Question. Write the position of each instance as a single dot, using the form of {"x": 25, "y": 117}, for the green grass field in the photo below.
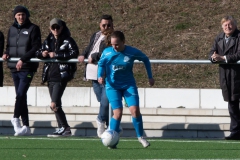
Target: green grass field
{"x": 36, "y": 147}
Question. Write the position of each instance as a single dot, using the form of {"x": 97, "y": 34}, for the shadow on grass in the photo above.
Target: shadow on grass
{"x": 192, "y": 130}
{"x": 88, "y": 129}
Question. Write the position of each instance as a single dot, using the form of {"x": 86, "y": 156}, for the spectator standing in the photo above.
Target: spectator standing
{"x": 58, "y": 45}
{"x": 24, "y": 39}
{"x": 226, "y": 48}
{"x": 93, "y": 52}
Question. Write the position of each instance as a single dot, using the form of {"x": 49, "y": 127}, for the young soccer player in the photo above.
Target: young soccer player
{"x": 117, "y": 64}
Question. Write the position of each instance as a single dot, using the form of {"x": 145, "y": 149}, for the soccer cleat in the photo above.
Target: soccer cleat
{"x": 144, "y": 142}
{"x": 25, "y": 131}
{"x": 16, "y": 124}
{"x": 101, "y": 127}
{"x": 62, "y": 132}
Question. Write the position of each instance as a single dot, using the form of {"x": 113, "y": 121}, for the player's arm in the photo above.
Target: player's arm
{"x": 142, "y": 57}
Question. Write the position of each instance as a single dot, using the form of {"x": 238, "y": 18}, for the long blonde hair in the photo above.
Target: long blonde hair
{"x": 107, "y": 34}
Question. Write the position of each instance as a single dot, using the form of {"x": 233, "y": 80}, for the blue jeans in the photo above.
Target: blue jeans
{"x": 22, "y": 81}
{"x": 100, "y": 93}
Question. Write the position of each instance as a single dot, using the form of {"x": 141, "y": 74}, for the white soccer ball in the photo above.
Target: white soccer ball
{"x": 110, "y": 138}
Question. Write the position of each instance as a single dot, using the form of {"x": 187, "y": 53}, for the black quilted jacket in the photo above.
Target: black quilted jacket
{"x": 65, "y": 49}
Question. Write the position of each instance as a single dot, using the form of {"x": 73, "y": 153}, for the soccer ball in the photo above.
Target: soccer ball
{"x": 110, "y": 138}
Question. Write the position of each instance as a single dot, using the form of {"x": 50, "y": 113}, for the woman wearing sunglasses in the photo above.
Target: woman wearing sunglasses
{"x": 58, "y": 45}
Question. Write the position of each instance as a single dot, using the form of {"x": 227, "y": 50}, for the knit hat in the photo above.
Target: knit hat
{"x": 56, "y": 21}
{"x": 23, "y": 9}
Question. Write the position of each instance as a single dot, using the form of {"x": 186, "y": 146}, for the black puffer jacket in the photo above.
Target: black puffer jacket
{"x": 23, "y": 42}
{"x": 65, "y": 49}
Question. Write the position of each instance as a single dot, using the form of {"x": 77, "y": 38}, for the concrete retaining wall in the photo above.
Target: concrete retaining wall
{"x": 149, "y": 97}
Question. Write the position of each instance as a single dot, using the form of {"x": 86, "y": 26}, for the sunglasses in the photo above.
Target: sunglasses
{"x": 57, "y": 27}
{"x": 106, "y": 25}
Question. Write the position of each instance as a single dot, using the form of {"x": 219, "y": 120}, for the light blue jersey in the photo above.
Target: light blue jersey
{"x": 118, "y": 66}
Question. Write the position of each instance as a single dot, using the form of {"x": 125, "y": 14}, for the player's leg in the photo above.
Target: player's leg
{"x": 115, "y": 99}
{"x": 132, "y": 99}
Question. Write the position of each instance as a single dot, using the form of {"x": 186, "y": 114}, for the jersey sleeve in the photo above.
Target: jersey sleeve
{"x": 142, "y": 57}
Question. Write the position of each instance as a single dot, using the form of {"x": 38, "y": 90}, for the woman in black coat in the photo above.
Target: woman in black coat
{"x": 59, "y": 45}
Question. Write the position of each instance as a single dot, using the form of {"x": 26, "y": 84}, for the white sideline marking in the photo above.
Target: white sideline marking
{"x": 97, "y": 139}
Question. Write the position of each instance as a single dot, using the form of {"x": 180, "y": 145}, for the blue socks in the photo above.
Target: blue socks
{"x": 138, "y": 125}
{"x": 114, "y": 124}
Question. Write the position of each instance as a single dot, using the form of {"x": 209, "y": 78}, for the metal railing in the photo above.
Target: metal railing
{"x": 153, "y": 61}
{"x": 156, "y": 61}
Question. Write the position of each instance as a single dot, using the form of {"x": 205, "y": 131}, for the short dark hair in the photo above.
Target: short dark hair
{"x": 118, "y": 34}
{"x": 106, "y": 17}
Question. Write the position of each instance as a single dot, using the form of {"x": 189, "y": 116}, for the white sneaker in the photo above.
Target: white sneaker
{"x": 25, "y": 131}
{"x": 16, "y": 124}
{"x": 57, "y": 130}
{"x": 144, "y": 142}
{"x": 101, "y": 128}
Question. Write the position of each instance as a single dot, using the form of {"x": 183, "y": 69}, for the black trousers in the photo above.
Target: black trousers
{"x": 56, "y": 90}
{"x": 22, "y": 81}
{"x": 234, "y": 111}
